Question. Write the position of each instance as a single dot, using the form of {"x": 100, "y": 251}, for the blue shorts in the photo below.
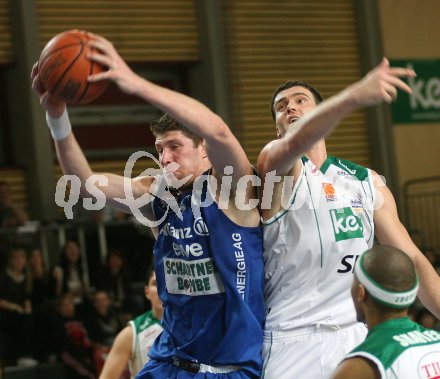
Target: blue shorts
{"x": 166, "y": 370}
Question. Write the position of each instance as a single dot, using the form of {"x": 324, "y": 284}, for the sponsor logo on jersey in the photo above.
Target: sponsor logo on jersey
{"x": 241, "y": 264}
{"x": 187, "y": 250}
{"x": 329, "y": 191}
{"x": 352, "y": 172}
{"x": 356, "y": 205}
{"x": 163, "y": 205}
{"x": 314, "y": 170}
{"x": 192, "y": 278}
{"x": 347, "y": 263}
{"x": 200, "y": 227}
{"x": 177, "y": 233}
{"x": 346, "y": 225}
{"x": 429, "y": 366}
{"x": 345, "y": 174}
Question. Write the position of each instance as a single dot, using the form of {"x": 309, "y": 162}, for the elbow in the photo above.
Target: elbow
{"x": 222, "y": 132}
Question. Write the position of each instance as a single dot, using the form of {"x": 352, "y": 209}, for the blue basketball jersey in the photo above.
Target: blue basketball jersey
{"x": 209, "y": 274}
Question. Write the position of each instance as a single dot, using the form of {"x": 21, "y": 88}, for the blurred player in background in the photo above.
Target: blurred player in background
{"x": 133, "y": 343}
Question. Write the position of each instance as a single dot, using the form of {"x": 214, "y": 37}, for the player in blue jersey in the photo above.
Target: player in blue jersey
{"x": 208, "y": 253}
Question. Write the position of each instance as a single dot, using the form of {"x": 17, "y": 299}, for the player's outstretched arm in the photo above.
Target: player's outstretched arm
{"x": 379, "y": 85}
{"x": 390, "y": 231}
{"x": 119, "y": 355}
{"x": 222, "y": 147}
{"x": 70, "y": 155}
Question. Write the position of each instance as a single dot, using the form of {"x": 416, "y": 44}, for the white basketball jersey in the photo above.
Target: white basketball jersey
{"x": 145, "y": 330}
{"x": 310, "y": 248}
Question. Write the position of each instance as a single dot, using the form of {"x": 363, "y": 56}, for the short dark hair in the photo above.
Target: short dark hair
{"x": 166, "y": 124}
{"x": 391, "y": 268}
{"x": 295, "y": 83}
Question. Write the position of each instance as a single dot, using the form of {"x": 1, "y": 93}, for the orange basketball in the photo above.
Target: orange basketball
{"x": 64, "y": 68}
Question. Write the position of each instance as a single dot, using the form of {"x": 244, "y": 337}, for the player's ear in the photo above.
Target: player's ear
{"x": 361, "y": 293}
{"x": 203, "y": 147}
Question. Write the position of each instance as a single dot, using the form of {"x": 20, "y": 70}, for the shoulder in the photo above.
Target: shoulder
{"x": 264, "y": 154}
{"x": 124, "y": 341}
{"x": 353, "y": 169}
{"x": 125, "y": 335}
{"x": 357, "y": 367}
{"x": 381, "y": 345}
{"x": 141, "y": 319}
{"x": 269, "y": 145}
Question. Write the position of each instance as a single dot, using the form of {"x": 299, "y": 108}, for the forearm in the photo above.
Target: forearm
{"x": 394, "y": 234}
{"x": 429, "y": 280}
{"x": 186, "y": 110}
{"x": 429, "y": 285}
{"x": 69, "y": 153}
{"x": 72, "y": 159}
{"x": 319, "y": 123}
{"x": 221, "y": 145}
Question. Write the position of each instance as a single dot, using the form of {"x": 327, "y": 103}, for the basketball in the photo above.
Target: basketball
{"x": 64, "y": 68}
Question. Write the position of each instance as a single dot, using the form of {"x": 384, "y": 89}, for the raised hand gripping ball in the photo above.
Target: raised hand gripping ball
{"x": 64, "y": 68}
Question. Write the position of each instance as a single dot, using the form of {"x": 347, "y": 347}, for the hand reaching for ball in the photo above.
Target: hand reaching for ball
{"x": 64, "y": 68}
{"x": 75, "y": 68}
{"x": 53, "y": 105}
{"x": 105, "y": 54}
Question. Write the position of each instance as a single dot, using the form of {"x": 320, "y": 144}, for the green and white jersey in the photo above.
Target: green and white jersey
{"x": 145, "y": 329}
{"x": 402, "y": 349}
{"x": 310, "y": 247}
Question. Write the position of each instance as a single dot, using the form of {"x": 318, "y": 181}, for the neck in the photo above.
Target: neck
{"x": 375, "y": 317}
{"x": 318, "y": 153}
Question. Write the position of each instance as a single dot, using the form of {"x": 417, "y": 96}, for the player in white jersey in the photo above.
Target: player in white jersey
{"x": 323, "y": 212}
{"x": 132, "y": 344}
{"x": 385, "y": 285}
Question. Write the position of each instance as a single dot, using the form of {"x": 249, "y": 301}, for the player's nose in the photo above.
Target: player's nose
{"x": 165, "y": 158}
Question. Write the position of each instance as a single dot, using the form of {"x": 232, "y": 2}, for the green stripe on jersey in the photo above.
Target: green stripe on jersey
{"x": 388, "y": 340}
{"x": 353, "y": 169}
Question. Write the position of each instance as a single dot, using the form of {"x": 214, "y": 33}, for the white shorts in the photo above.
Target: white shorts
{"x": 310, "y": 352}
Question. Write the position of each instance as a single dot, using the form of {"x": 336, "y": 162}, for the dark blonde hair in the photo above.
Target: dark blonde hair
{"x": 167, "y": 124}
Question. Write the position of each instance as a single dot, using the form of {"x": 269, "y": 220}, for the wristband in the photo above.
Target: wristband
{"x": 60, "y": 128}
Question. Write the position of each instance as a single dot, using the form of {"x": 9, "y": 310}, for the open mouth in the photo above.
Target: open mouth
{"x": 292, "y": 119}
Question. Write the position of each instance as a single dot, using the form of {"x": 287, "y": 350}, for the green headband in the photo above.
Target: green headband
{"x": 382, "y": 295}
